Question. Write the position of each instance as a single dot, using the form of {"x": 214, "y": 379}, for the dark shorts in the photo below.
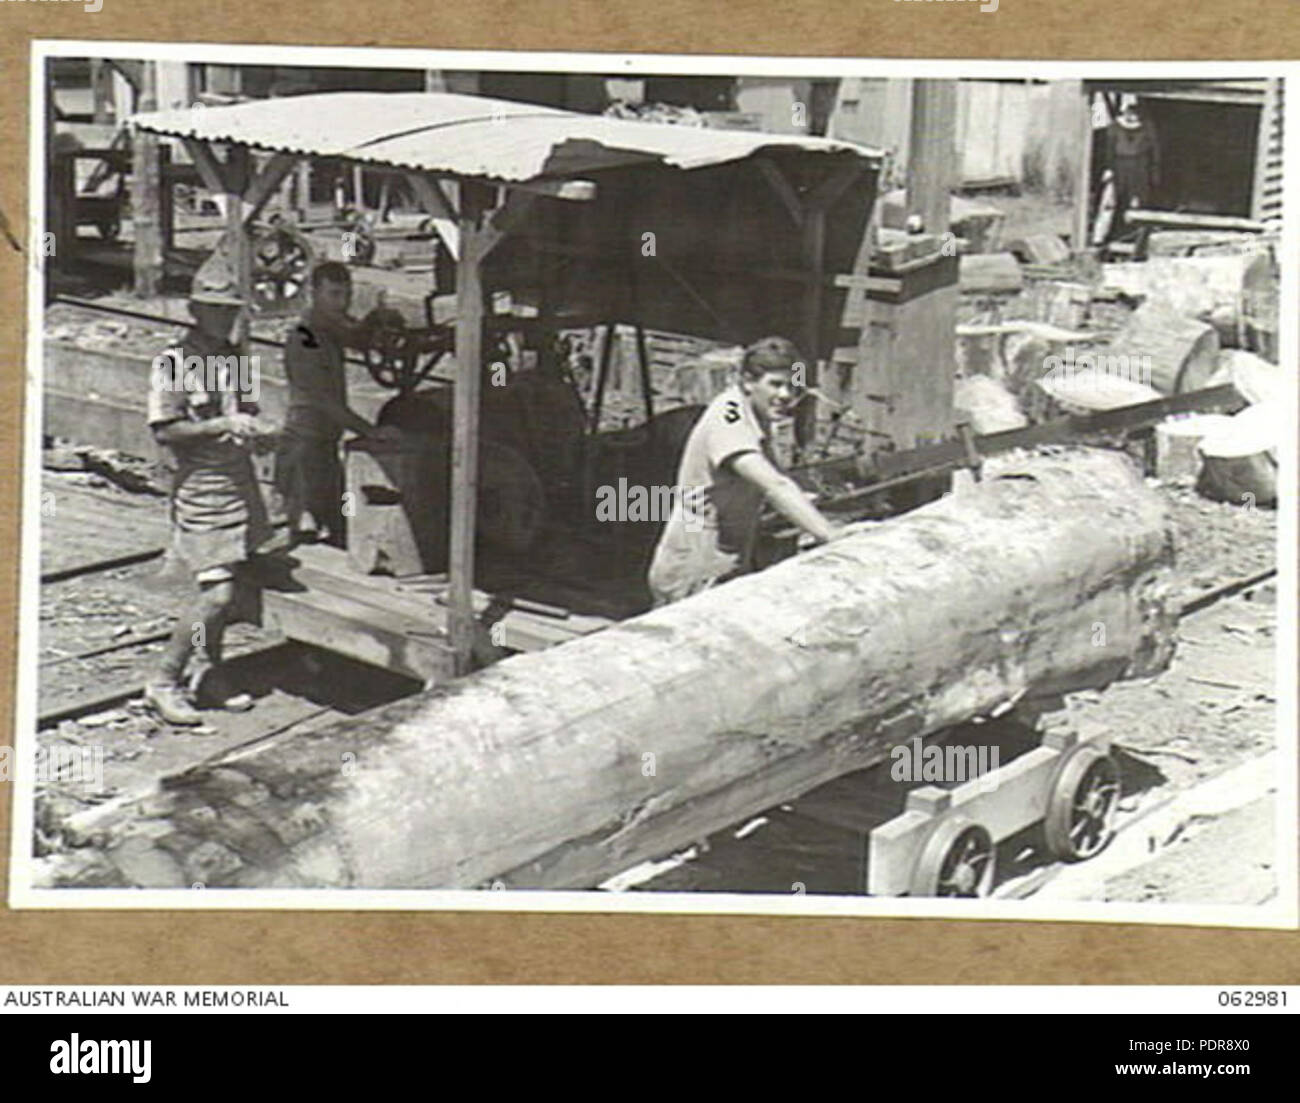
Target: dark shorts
{"x": 309, "y": 475}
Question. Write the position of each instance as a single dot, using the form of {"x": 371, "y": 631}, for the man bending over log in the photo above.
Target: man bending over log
{"x": 727, "y": 471}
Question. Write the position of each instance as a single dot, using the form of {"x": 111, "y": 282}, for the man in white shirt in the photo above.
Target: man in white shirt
{"x": 726, "y": 473}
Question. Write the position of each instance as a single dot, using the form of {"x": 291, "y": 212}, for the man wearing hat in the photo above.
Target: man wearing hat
{"x": 200, "y": 409}
{"x": 727, "y": 471}
{"x": 1134, "y": 163}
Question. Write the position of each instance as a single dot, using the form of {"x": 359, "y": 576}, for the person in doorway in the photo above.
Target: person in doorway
{"x": 1134, "y": 160}
{"x": 727, "y": 472}
{"x": 199, "y": 409}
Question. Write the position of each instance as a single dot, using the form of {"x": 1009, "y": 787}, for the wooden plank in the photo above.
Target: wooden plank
{"x": 1142, "y": 217}
{"x": 400, "y": 644}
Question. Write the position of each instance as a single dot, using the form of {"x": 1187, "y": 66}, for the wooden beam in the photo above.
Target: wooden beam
{"x": 211, "y": 171}
{"x": 429, "y": 193}
{"x": 266, "y": 182}
{"x": 475, "y": 201}
{"x": 781, "y": 186}
{"x": 1187, "y": 221}
{"x": 829, "y": 190}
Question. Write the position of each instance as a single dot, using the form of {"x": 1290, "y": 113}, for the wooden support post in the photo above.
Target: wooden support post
{"x": 101, "y": 91}
{"x": 814, "y": 253}
{"x": 812, "y": 223}
{"x": 474, "y": 245}
{"x": 302, "y": 190}
{"x": 166, "y": 200}
{"x": 602, "y": 375}
{"x": 1083, "y": 198}
{"x": 932, "y": 152}
{"x": 643, "y": 361}
{"x": 240, "y": 255}
{"x": 147, "y": 259}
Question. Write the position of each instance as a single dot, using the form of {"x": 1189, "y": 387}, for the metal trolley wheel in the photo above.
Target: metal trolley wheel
{"x": 1081, "y": 806}
{"x": 957, "y": 859}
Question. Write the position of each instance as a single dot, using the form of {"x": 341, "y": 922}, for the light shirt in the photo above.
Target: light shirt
{"x": 714, "y": 521}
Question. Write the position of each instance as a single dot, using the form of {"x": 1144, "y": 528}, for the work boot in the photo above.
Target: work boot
{"x": 211, "y": 689}
{"x": 169, "y": 702}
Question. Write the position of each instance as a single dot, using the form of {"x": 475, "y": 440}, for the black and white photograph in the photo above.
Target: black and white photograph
{"x": 580, "y": 482}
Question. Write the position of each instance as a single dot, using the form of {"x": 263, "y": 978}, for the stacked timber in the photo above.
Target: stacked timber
{"x": 1218, "y": 287}
{"x": 559, "y": 768}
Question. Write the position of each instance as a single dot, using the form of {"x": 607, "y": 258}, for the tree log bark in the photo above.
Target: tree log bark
{"x": 562, "y": 767}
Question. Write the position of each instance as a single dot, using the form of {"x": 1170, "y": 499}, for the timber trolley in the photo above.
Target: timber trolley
{"x": 945, "y": 841}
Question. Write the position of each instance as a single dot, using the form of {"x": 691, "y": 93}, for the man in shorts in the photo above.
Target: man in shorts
{"x": 727, "y": 471}
{"x": 199, "y": 409}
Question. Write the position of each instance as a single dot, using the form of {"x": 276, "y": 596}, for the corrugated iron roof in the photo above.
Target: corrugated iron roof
{"x": 471, "y": 136}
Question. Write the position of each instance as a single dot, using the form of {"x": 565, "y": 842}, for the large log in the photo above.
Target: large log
{"x": 1181, "y": 353}
{"x": 562, "y": 767}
